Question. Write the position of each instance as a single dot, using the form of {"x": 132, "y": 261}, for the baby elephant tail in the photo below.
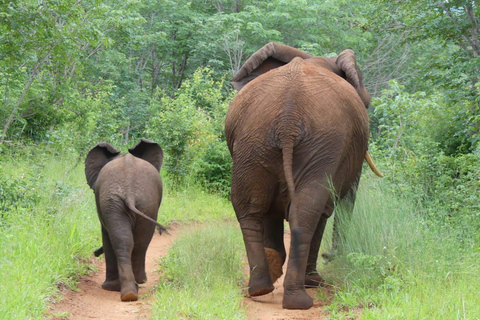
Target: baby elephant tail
{"x": 131, "y": 206}
{"x": 161, "y": 228}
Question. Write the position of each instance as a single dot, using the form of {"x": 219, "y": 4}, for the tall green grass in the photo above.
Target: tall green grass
{"x": 191, "y": 203}
{"x": 48, "y": 227}
{"x": 202, "y": 275}
{"x": 396, "y": 264}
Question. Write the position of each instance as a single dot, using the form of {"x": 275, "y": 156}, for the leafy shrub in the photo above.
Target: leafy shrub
{"x": 17, "y": 193}
{"x": 423, "y": 152}
{"x": 215, "y": 168}
{"x": 189, "y": 127}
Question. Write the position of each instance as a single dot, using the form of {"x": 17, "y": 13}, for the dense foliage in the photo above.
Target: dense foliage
{"x": 74, "y": 73}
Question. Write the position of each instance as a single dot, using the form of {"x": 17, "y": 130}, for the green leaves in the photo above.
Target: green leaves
{"x": 189, "y": 127}
{"x": 426, "y": 147}
{"x": 43, "y": 52}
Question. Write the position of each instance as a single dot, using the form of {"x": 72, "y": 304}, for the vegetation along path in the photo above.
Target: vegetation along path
{"x": 90, "y": 301}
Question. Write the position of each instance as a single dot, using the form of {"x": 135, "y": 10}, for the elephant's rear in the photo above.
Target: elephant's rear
{"x": 336, "y": 128}
{"x": 299, "y": 127}
{"x": 300, "y": 109}
{"x": 126, "y": 181}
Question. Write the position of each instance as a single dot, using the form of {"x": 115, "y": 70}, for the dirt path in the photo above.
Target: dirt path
{"x": 269, "y": 307}
{"x": 90, "y": 301}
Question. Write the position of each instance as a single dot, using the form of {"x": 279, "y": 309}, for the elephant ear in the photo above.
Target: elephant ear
{"x": 96, "y": 159}
{"x": 347, "y": 62}
{"x": 149, "y": 151}
{"x": 270, "y": 56}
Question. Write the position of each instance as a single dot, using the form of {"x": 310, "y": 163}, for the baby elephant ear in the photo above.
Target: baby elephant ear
{"x": 149, "y": 151}
{"x": 96, "y": 159}
{"x": 347, "y": 62}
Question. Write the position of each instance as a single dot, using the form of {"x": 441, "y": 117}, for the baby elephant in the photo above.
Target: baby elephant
{"x": 128, "y": 192}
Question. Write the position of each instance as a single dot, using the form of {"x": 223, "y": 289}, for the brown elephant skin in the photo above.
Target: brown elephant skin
{"x": 297, "y": 131}
{"x": 128, "y": 192}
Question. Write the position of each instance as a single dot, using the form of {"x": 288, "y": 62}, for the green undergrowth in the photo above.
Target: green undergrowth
{"x": 202, "y": 275}
{"x": 395, "y": 263}
{"x": 48, "y": 228}
{"x": 191, "y": 203}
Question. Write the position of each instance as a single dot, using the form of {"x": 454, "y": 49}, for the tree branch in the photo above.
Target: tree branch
{"x": 24, "y": 92}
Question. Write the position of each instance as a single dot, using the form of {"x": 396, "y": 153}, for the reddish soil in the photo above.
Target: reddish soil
{"x": 90, "y": 301}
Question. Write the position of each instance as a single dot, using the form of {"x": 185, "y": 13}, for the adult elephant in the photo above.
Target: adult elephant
{"x": 128, "y": 192}
{"x": 297, "y": 129}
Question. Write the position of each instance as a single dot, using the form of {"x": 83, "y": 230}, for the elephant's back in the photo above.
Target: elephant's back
{"x": 129, "y": 176}
{"x": 300, "y": 98}
{"x": 303, "y": 103}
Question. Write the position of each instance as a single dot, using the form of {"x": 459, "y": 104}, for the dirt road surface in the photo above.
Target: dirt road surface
{"x": 90, "y": 301}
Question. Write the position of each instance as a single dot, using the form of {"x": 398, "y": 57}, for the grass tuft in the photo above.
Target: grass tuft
{"x": 396, "y": 264}
{"x": 44, "y": 233}
{"x": 202, "y": 275}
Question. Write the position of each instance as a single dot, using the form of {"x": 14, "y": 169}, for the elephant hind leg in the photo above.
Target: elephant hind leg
{"x": 260, "y": 282}
{"x": 273, "y": 233}
{"x": 305, "y": 214}
{"x": 112, "y": 281}
{"x": 312, "y": 278}
{"x": 347, "y": 204}
{"x": 121, "y": 238}
{"x": 138, "y": 264}
{"x": 252, "y": 195}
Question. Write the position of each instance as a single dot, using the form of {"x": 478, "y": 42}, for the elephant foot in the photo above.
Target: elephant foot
{"x": 313, "y": 280}
{"x": 275, "y": 263}
{"x": 130, "y": 292}
{"x": 260, "y": 292}
{"x": 130, "y": 296}
{"x": 260, "y": 288}
{"x": 112, "y": 285}
{"x": 298, "y": 299}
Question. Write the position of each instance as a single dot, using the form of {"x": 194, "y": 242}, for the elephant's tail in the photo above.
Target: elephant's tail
{"x": 287, "y": 152}
{"x": 131, "y": 206}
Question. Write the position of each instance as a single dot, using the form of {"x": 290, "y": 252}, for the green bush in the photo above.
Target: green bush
{"x": 189, "y": 127}
{"x": 18, "y": 194}
{"x": 413, "y": 140}
{"x": 215, "y": 167}
{"x": 93, "y": 121}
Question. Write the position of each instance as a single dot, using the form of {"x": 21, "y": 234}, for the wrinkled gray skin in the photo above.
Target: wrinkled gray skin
{"x": 128, "y": 192}
{"x": 297, "y": 131}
